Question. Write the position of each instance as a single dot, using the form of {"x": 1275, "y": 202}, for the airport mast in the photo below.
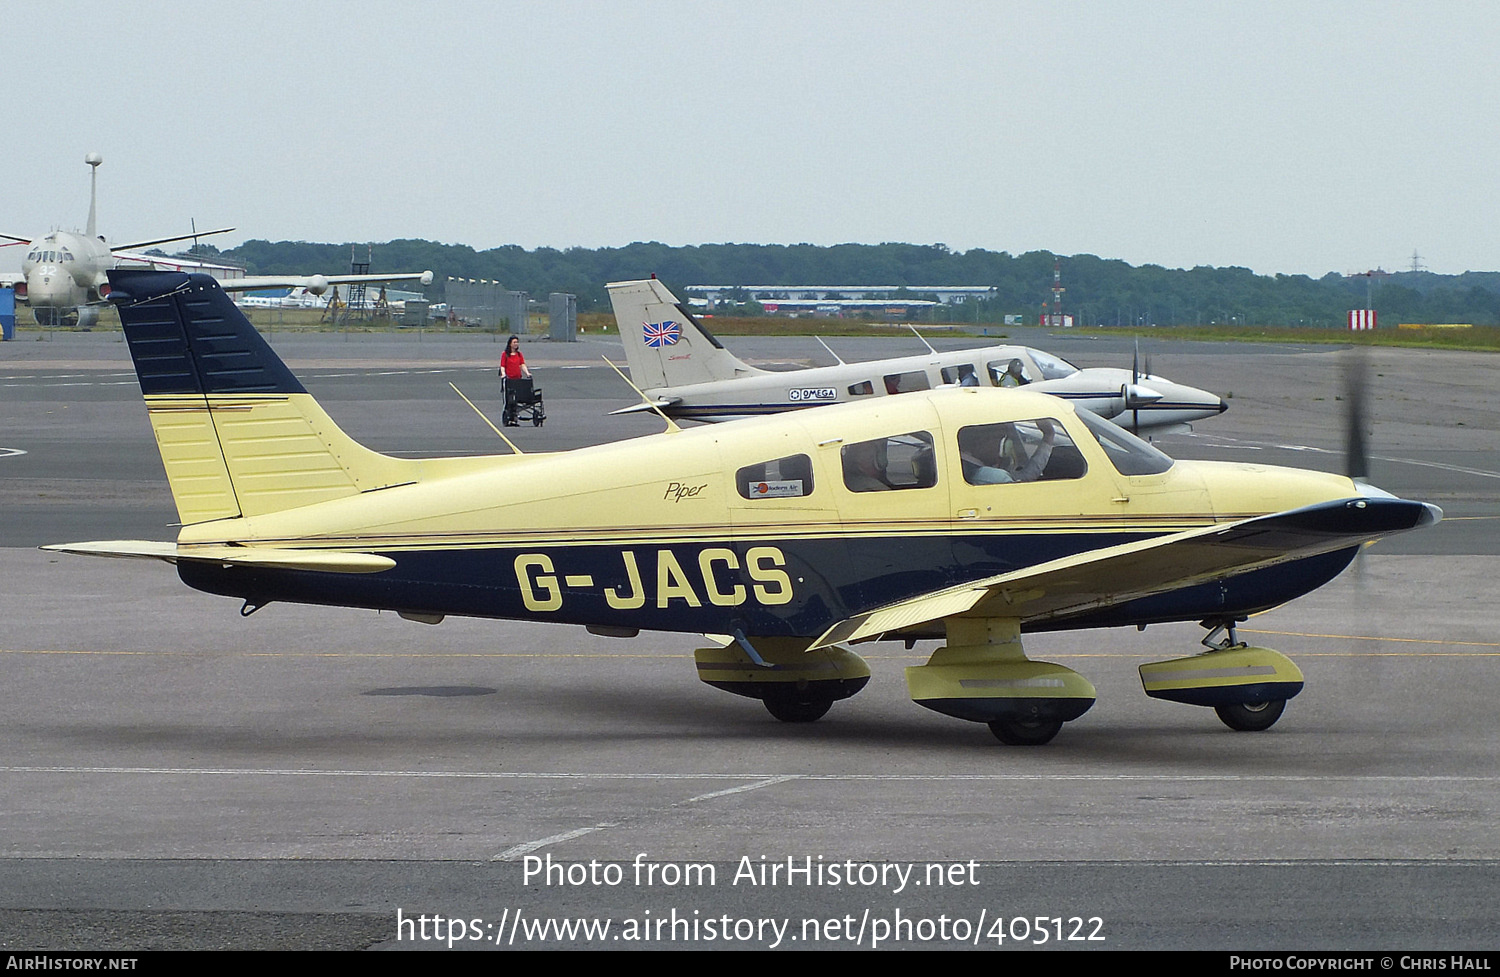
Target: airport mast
{"x": 1358, "y": 321}
{"x": 358, "y": 310}
{"x": 1057, "y": 291}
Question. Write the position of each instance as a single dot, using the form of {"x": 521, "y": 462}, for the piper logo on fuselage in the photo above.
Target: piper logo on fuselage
{"x": 715, "y": 576}
{"x": 812, "y": 393}
{"x": 677, "y": 491}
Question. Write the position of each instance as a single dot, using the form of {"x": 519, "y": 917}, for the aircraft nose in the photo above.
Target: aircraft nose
{"x": 1200, "y": 403}
{"x": 49, "y": 285}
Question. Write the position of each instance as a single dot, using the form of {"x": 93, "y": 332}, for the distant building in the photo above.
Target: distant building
{"x": 835, "y": 300}
{"x": 872, "y": 295}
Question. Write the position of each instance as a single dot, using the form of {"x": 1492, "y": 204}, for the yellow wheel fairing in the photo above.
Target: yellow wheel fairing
{"x": 986, "y": 692}
{"x": 982, "y": 675}
{"x": 1232, "y": 676}
{"x": 828, "y": 673}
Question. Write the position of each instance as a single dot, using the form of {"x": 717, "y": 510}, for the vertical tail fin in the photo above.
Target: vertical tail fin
{"x": 93, "y": 159}
{"x": 665, "y": 345}
{"x": 238, "y": 433}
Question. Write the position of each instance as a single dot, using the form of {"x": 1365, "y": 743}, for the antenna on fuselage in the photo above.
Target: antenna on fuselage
{"x": 671, "y": 424}
{"x": 486, "y": 420}
{"x": 922, "y": 338}
{"x": 93, "y": 159}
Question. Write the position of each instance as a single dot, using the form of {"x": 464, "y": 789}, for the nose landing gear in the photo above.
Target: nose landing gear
{"x": 1247, "y": 687}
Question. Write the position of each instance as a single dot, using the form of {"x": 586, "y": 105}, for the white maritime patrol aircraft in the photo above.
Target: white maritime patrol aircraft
{"x": 968, "y": 514}
{"x": 63, "y": 273}
{"x": 685, "y": 372}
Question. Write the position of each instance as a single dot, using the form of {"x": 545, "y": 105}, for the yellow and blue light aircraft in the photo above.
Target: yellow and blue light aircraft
{"x": 968, "y": 514}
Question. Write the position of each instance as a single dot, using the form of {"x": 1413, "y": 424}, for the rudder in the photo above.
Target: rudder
{"x": 665, "y": 344}
{"x": 238, "y": 433}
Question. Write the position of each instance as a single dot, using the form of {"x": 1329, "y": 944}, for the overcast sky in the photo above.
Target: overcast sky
{"x": 1286, "y": 137}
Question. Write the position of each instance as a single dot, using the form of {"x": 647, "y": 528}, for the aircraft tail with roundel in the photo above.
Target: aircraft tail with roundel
{"x": 665, "y": 344}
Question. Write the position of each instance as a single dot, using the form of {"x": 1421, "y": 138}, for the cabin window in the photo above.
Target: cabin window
{"x": 962, "y": 374}
{"x": 902, "y": 383}
{"x": 901, "y": 461}
{"x": 862, "y": 389}
{"x": 1037, "y": 450}
{"x": 1052, "y": 367}
{"x": 1011, "y": 372}
{"x": 784, "y": 478}
{"x": 1128, "y": 453}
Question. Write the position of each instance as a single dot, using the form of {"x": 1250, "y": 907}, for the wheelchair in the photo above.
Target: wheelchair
{"x": 523, "y": 401}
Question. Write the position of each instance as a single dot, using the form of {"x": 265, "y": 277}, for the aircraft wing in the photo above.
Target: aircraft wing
{"x": 157, "y": 262}
{"x": 317, "y": 284}
{"x": 1130, "y": 571}
{"x": 327, "y": 561}
{"x": 9, "y": 279}
{"x": 167, "y": 240}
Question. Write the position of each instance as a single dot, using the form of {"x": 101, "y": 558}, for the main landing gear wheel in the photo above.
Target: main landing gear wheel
{"x": 1025, "y": 732}
{"x": 795, "y": 709}
{"x": 1252, "y": 716}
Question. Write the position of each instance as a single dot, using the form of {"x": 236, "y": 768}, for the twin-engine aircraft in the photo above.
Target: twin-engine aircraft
{"x": 968, "y": 514}
{"x": 685, "y": 372}
{"x": 63, "y": 273}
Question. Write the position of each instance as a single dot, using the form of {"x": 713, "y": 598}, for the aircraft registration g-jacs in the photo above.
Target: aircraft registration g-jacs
{"x": 685, "y": 371}
{"x": 63, "y": 273}
{"x": 962, "y": 513}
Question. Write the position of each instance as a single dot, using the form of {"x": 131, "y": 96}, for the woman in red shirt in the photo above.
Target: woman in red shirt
{"x": 512, "y": 363}
{"x": 512, "y": 367}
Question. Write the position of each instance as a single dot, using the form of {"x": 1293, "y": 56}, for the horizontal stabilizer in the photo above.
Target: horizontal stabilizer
{"x": 326, "y": 561}
{"x": 654, "y": 405}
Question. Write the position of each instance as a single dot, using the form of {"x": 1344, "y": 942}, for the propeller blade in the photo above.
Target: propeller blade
{"x": 1356, "y": 408}
{"x": 1135, "y": 378}
{"x": 1356, "y": 446}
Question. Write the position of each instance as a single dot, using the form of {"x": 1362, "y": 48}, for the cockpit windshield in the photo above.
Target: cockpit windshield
{"x": 1052, "y": 367}
{"x": 1128, "y": 453}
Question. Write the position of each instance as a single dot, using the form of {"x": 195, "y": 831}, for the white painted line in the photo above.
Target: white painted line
{"x": 11, "y": 452}
{"x": 1224, "y": 442}
{"x": 744, "y": 787}
{"x": 526, "y": 848}
{"x": 766, "y": 778}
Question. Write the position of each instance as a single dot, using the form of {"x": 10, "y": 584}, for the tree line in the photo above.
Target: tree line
{"x": 1099, "y": 291}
